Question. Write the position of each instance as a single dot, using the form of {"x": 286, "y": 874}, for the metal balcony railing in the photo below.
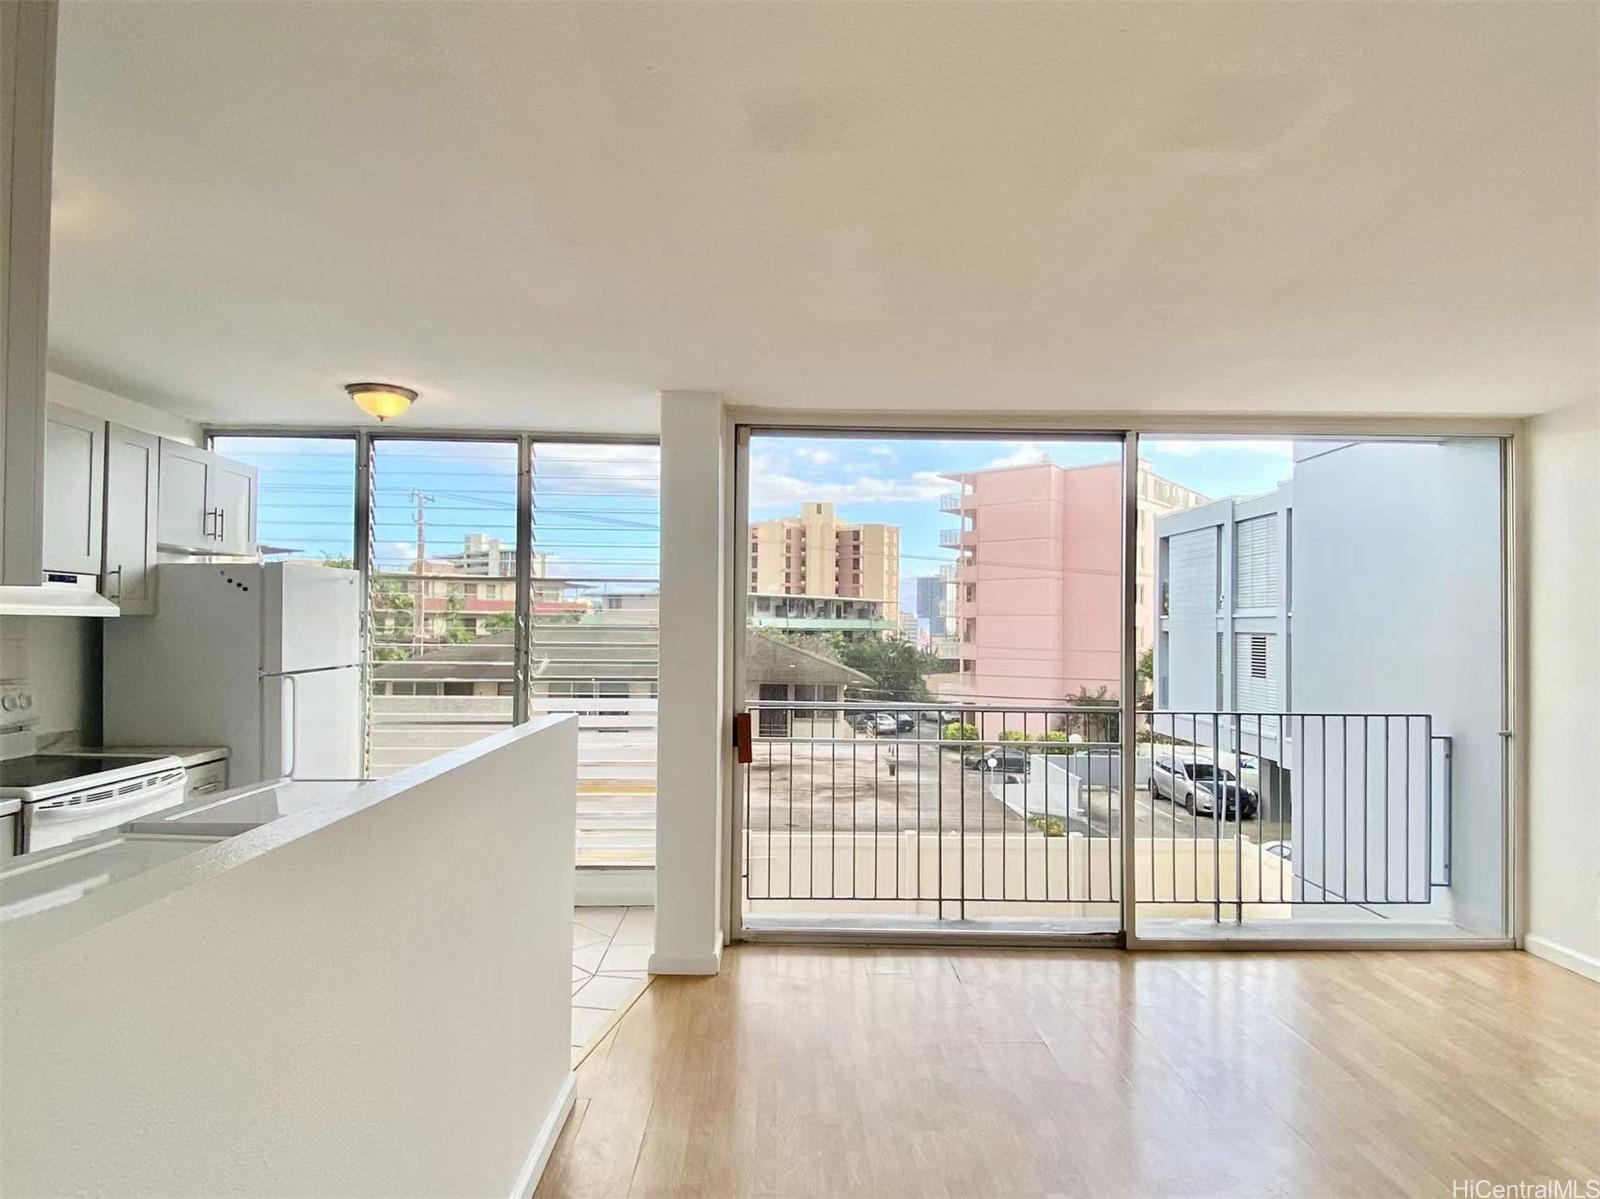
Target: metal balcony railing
{"x": 951, "y": 803}
{"x": 950, "y": 537}
{"x": 950, "y": 502}
{"x": 976, "y": 803}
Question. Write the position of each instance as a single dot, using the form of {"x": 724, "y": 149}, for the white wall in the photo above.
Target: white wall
{"x": 70, "y": 393}
{"x": 61, "y": 655}
{"x": 1561, "y": 464}
{"x": 366, "y": 998}
{"x": 692, "y": 730}
{"x": 1396, "y": 609}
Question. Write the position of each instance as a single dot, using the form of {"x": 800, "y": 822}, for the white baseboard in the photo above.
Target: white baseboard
{"x": 1570, "y": 959}
{"x": 688, "y": 963}
{"x": 614, "y": 887}
{"x": 539, "y": 1155}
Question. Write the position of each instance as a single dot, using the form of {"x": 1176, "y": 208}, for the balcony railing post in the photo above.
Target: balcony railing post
{"x": 1238, "y": 818}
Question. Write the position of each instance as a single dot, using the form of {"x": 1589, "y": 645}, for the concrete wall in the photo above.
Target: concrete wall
{"x": 1396, "y": 566}
{"x": 369, "y": 1000}
{"x": 695, "y": 734}
{"x": 1562, "y": 797}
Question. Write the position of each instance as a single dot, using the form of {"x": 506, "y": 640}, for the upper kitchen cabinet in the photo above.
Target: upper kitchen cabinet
{"x": 133, "y": 464}
{"x": 74, "y": 459}
{"x": 233, "y": 495}
{"x": 208, "y": 503}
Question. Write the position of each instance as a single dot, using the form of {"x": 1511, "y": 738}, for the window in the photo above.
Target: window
{"x": 595, "y": 625}
{"x": 443, "y": 520}
{"x": 306, "y": 506}
{"x": 1255, "y": 551}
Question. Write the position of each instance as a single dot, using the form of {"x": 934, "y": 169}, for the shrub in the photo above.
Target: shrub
{"x": 1050, "y": 826}
{"x": 957, "y": 731}
{"x": 1013, "y": 735}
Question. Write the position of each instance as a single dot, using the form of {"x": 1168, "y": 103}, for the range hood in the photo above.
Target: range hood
{"x": 58, "y": 595}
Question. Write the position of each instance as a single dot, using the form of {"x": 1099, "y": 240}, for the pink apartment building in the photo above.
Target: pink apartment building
{"x": 1037, "y": 579}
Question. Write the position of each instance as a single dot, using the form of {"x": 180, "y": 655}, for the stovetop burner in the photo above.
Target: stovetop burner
{"x": 40, "y": 770}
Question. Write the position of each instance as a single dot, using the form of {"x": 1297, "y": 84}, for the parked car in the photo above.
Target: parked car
{"x": 1196, "y": 785}
{"x": 1010, "y": 761}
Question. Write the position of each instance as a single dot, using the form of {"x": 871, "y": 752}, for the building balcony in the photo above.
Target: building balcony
{"x": 950, "y": 538}
{"x": 951, "y": 501}
{"x": 821, "y": 624}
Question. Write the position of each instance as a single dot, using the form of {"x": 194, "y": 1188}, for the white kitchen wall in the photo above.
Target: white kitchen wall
{"x": 1562, "y": 467}
{"x": 367, "y": 997}
{"x": 69, "y": 393}
{"x": 61, "y": 656}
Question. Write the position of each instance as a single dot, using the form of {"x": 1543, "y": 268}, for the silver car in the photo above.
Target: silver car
{"x": 1197, "y": 785}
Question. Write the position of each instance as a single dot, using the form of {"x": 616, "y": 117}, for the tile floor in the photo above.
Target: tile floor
{"x": 610, "y": 949}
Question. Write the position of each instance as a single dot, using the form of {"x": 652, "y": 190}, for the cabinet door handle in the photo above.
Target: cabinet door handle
{"x": 205, "y": 522}
{"x": 117, "y": 598}
{"x": 222, "y": 524}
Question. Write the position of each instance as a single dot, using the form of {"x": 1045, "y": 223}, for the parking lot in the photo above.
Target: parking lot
{"x": 893, "y": 782}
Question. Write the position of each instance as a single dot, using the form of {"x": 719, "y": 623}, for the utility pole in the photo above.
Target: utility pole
{"x": 420, "y": 604}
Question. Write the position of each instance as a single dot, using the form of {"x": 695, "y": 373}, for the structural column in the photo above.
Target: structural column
{"x": 694, "y": 732}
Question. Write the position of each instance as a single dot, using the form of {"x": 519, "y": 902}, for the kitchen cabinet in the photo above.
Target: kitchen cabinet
{"x": 74, "y": 462}
{"x": 185, "y": 518}
{"x": 207, "y": 778}
{"x": 131, "y": 493}
{"x": 207, "y": 502}
{"x": 233, "y": 495}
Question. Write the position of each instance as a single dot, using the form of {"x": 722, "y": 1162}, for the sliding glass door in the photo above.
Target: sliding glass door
{"x": 1319, "y": 748}
{"x": 931, "y": 660}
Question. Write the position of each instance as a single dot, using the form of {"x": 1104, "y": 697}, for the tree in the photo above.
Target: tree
{"x": 897, "y": 668}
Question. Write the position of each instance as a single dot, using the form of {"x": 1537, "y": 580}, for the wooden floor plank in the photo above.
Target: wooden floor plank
{"x": 820, "y": 1071}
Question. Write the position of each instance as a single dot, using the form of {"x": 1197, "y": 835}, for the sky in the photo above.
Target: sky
{"x": 899, "y": 481}
{"x": 597, "y": 506}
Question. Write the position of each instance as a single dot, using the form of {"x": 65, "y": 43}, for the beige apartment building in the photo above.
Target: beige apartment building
{"x": 816, "y": 553}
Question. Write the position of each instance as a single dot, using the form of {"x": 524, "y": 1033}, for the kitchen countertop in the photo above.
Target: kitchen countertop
{"x": 189, "y": 755}
{"x": 268, "y": 818}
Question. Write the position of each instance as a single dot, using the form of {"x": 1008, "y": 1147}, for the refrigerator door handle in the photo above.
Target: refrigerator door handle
{"x": 292, "y": 690}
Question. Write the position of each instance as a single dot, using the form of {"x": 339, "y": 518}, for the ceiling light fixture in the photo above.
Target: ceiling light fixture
{"x": 382, "y": 400}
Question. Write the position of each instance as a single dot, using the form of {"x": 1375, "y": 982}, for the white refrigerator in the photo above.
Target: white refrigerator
{"x": 262, "y": 658}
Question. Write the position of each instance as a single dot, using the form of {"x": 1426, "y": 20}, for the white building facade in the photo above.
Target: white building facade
{"x": 1361, "y": 604}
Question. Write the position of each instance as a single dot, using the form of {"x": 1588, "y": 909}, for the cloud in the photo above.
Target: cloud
{"x": 1023, "y": 454}
{"x": 776, "y": 489}
{"x": 595, "y": 468}
{"x": 1195, "y": 447}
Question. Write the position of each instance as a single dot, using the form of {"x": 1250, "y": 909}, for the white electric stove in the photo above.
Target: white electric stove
{"x": 68, "y": 796}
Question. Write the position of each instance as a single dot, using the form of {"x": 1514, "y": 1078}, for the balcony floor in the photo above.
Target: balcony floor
{"x": 983, "y": 1072}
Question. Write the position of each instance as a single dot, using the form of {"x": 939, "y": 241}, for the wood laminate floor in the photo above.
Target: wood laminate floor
{"x": 803, "y": 1071}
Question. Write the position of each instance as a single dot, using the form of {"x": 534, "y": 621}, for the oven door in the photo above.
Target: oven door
{"x": 49, "y": 823}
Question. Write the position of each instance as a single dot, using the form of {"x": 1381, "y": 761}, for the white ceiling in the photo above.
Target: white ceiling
{"x": 542, "y": 214}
